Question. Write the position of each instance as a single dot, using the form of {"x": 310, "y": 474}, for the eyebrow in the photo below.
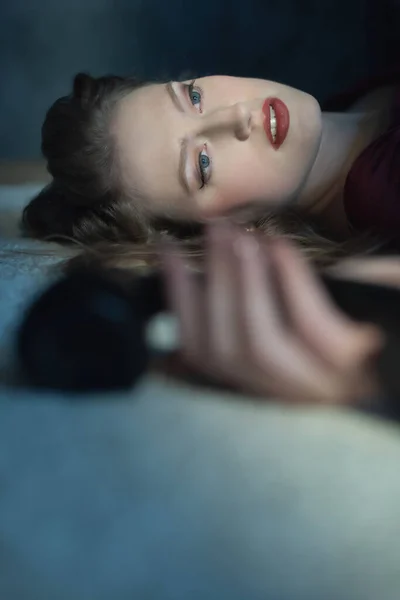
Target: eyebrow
{"x": 177, "y": 101}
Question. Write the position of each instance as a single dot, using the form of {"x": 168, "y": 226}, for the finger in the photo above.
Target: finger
{"x": 312, "y": 314}
{"x": 259, "y": 308}
{"x": 186, "y": 301}
{"x": 285, "y": 366}
{"x": 222, "y": 309}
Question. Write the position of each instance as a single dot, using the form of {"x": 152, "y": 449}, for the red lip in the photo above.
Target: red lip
{"x": 282, "y": 121}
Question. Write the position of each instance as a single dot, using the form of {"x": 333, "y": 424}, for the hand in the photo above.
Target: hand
{"x": 264, "y": 323}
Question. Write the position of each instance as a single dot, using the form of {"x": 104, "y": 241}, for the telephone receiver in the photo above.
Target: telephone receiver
{"x": 87, "y": 332}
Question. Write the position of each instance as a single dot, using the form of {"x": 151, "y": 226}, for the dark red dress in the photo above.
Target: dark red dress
{"x": 372, "y": 188}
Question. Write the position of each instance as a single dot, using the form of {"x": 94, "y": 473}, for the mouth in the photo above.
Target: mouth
{"x": 276, "y": 121}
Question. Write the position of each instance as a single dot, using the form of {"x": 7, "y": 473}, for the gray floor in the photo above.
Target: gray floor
{"x": 317, "y": 45}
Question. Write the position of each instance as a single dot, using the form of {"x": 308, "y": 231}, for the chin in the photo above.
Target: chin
{"x": 312, "y": 117}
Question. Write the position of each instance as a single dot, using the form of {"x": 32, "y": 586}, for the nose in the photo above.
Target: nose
{"x": 236, "y": 119}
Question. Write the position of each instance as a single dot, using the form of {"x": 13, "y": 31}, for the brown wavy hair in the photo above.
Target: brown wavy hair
{"x": 85, "y": 203}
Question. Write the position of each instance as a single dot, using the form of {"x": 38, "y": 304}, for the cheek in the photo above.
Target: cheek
{"x": 249, "y": 181}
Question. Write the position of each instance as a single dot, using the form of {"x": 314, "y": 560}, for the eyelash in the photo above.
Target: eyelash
{"x": 202, "y": 170}
{"x": 203, "y": 176}
{"x": 192, "y": 88}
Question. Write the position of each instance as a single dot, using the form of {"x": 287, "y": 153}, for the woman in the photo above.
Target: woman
{"x": 130, "y": 161}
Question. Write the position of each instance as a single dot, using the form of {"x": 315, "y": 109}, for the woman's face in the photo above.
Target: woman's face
{"x": 207, "y": 149}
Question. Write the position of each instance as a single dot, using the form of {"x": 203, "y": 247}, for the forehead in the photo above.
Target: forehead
{"x": 148, "y": 147}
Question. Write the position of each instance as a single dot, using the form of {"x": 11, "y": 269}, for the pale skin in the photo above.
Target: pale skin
{"x": 221, "y": 119}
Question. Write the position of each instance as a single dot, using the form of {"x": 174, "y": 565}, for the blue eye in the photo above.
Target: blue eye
{"x": 204, "y": 161}
{"x": 204, "y": 166}
{"x": 195, "y": 95}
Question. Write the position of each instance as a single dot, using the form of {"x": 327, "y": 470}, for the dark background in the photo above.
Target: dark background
{"x": 321, "y": 46}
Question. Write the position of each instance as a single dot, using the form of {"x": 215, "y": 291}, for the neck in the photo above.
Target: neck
{"x": 344, "y": 137}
